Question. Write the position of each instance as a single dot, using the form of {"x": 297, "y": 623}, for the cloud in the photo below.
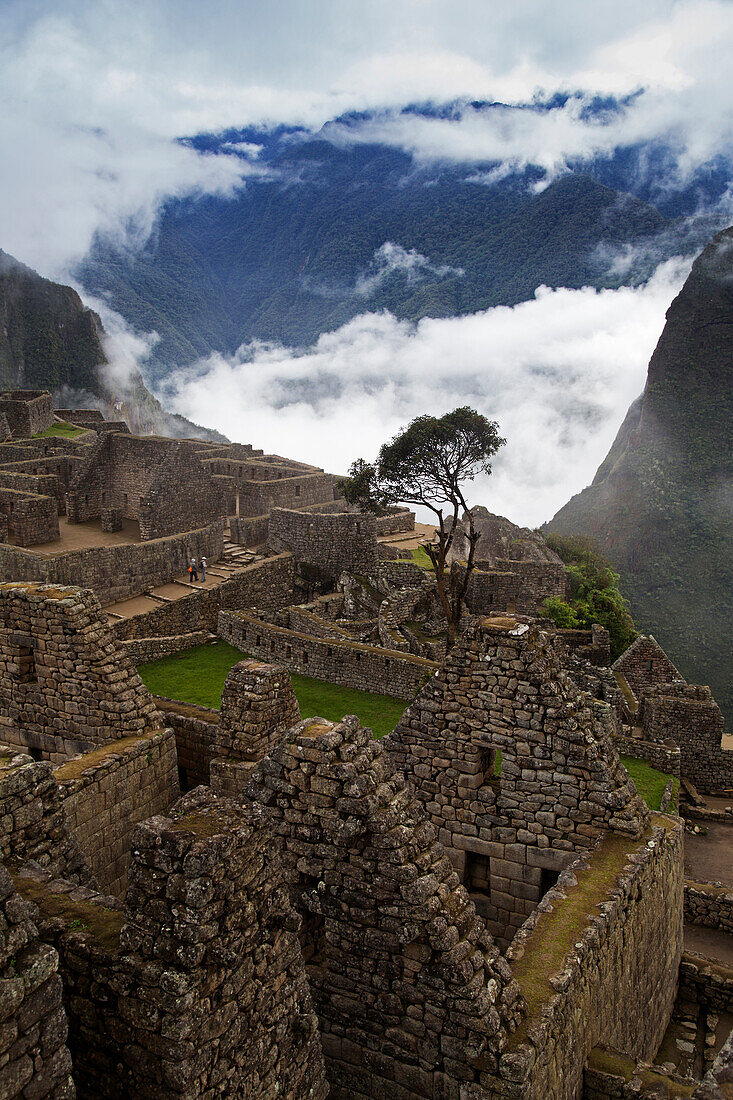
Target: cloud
{"x": 390, "y": 259}
{"x": 558, "y": 373}
{"x": 96, "y": 96}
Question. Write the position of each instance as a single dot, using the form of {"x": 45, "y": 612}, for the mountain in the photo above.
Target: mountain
{"x": 49, "y": 340}
{"x": 332, "y": 228}
{"x": 661, "y": 503}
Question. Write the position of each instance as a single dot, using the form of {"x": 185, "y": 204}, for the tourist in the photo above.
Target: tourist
{"x": 192, "y": 572}
{"x": 202, "y": 565}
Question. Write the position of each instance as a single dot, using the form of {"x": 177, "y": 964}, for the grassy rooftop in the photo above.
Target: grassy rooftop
{"x": 197, "y": 676}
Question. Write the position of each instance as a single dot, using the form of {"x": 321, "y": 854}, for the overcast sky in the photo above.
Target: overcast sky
{"x": 95, "y": 94}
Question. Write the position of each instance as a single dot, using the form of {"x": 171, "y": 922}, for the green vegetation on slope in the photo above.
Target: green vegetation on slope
{"x": 650, "y": 783}
{"x": 197, "y": 676}
{"x": 593, "y": 595}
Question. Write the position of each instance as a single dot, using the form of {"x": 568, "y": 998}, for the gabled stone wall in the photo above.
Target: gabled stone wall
{"x": 561, "y": 784}
{"x": 411, "y": 992}
{"x": 645, "y": 664}
{"x": 66, "y": 686}
{"x": 197, "y": 989}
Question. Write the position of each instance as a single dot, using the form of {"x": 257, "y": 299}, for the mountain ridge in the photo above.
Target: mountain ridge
{"x": 661, "y": 502}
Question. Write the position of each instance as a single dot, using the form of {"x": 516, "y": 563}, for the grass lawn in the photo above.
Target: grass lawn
{"x": 197, "y": 676}
{"x": 649, "y": 782}
{"x": 68, "y": 430}
{"x": 421, "y": 558}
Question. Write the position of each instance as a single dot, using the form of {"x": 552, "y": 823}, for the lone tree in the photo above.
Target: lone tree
{"x": 427, "y": 464}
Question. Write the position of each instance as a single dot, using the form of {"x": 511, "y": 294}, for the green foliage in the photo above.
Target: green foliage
{"x": 427, "y": 463}
{"x": 593, "y": 595}
{"x": 197, "y": 676}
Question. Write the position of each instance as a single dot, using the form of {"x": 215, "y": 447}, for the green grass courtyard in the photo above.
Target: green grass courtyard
{"x": 197, "y": 676}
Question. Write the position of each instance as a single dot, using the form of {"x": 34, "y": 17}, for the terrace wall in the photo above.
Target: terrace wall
{"x": 266, "y": 584}
{"x": 350, "y": 664}
{"x": 116, "y": 572}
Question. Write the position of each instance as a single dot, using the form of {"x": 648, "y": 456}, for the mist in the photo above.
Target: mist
{"x": 558, "y": 373}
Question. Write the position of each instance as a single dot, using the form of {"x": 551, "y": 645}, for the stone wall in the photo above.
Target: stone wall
{"x": 350, "y": 664}
{"x": 27, "y": 411}
{"x": 162, "y": 483}
{"x": 194, "y": 729}
{"x": 32, "y": 518}
{"x": 65, "y": 684}
{"x": 412, "y": 995}
{"x": 35, "y": 1063}
{"x": 561, "y": 786}
{"x": 141, "y": 650}
{"x": 617, "y": 985}
{"x": 513, "y": 586}
{"x": 259, "y": 497}
{"x": 33, "y": 821}
{"x": 709, "y": 903}
{"x": 266, "y": 584}
{"x": 645, "y": 664}
{"x": 45, "y": 484}
{"x": 197, "y": 989}
{"x": 116, "y": 572}
{"x": 333, "y": 544}
{"x": 688, "y": 715}
{"x": 707, "y": 982}
{"x": 107, "y": 792}
{"x": 665, "y": 758}
{"x": 249, "y": 530}
{"x": 396, "y": 522}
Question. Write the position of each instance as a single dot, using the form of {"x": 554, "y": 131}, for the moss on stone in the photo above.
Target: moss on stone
{"x": 103, "y": 924}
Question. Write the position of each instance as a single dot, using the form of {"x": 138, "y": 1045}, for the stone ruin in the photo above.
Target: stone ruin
{"x": 318, "y": 913}
{"x": 308, "y": 924}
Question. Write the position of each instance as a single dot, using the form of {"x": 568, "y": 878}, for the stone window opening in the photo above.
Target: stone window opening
{"x": 288, "y": 651}
{"x": 329, "y": 651}
{"x": 297, "y": 490}
{"x": 489, "y": 766}
{"x": 258, "y": 638}
{"x": 26, "y": 659}
{"x": 305, "y": 658}
{"x": 649, "y": 665}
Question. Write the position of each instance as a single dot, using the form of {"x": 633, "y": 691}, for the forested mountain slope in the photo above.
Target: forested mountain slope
{"x": 661, "y": 503}
{"x": 49, "y": 340}
{"x": 331, "y": 231}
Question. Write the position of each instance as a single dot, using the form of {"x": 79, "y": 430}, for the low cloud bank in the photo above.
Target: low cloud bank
{"x": 558, "y": 373}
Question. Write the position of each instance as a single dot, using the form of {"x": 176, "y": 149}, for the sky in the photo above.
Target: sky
{"x": 96, "y": 95}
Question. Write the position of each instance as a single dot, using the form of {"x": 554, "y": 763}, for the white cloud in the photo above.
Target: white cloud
{"x": 557, "y": 372}
{"x": 95, "y": 95}
{"x": 391, "y": 259}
